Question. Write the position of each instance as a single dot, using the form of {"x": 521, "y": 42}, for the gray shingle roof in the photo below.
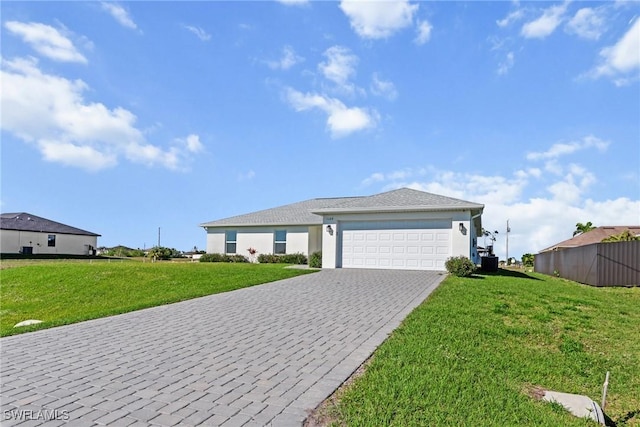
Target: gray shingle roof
{"x": 23, "y": 221}
{"x": 403, "y": 199}
{"x": 310, "y": 212}
{"x": 299, "y": 213}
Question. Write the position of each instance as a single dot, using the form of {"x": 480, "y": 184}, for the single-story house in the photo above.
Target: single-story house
{"x": 399, "y": 229}
{"x": 593, "y": 236}
{"x": 30, "y": 234}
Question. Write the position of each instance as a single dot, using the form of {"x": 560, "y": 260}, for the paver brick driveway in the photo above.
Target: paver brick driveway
{"x": 264, "y": 355}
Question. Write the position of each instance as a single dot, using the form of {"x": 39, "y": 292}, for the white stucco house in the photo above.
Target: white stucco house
{"x": 399, "y": 229}
{"x": 30, "y": 234}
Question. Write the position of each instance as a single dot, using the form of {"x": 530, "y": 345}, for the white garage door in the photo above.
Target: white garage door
{"x": 403, "y": 245}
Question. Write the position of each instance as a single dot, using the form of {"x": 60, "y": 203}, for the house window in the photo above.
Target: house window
{"x": 280, "y": 242}
{"x": 230, "y": 242}
{"x": 51, "y": 240}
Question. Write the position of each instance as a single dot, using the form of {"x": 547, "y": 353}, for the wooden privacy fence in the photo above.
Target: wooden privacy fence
{"x": 598, "y": 264}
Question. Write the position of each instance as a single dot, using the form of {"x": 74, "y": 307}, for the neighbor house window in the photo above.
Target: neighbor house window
{"x": 280, "y": 242}
{"x": 230, "y": 242}
{"x": 51, "y": 240}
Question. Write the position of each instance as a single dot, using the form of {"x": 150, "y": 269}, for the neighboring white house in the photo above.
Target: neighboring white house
{"x": 29, "y": 234}
{"x": 400, "y": 229}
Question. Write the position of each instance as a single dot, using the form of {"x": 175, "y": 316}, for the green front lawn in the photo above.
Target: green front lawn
{"x": 478, "y": 350}
{"x": 59, "y": 293}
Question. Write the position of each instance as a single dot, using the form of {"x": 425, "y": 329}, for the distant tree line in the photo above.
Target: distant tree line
{"x": 157, "y": 252}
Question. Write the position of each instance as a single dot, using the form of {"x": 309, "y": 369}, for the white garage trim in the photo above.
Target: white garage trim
{"x": 404, "y": 245}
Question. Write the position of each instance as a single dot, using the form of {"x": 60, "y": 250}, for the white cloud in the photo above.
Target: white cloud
{"x": 378, "y": 19}
{"x": 46, "y": 40}
{"x": 424, "y": 32}
{"x": 288, "y": 59}
{"x": 191, "y": 143}
{"x": 546, "y": 24}
{"x": 537, "y": 219}
{"x": 247, "y": 176}
{"x": 51, "y": 113}
{"x": 294, "y": 2}
{"x": 507, "y": 64}
{"x": 512, "y": 17}
{"x": 573, "y": 185}
{"x": 339, "y": 67}
{"x": 561, "y": 149}
{"x": 199, "y": 32}
{"x": 70, "y": 154}
{"x": 383, "y": 88}
{"x": 341, "y": 120}
{"x": 621, "y": 59}
{"x": 587, "y": 23}
{"x": 120, "y": 14}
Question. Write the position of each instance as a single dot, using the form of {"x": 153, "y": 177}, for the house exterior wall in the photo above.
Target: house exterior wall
{"x": 260, "y": 238}
{"x": 315, "y": 239}
{"x": 12, "y": 241}
{"x": 462, "y": 243}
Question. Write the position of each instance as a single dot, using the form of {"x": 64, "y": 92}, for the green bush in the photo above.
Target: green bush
{"x": 212, "y": 258}
{"x": 223, "y": 258}
{"x": 268, "y": 259}
{"x": 315, "y": 260}
{"x": 460, "y": 266}
{"x": 296, "y": 258}
{"x": 237, "y": 258}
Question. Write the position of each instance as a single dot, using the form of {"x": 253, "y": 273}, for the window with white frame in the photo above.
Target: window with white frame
{"x": 230, "y": 241}
{"x": 280, "y": 242}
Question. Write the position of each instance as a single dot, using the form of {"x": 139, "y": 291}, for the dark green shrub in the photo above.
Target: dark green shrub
{"x": 223, "y": 258}
{"x": 460, "y": 266}
{"x": 268, "y": 259}
{"x": 297, "y": 258}
{"x": 212, "y": 258}
{"x": 315, "y": 260}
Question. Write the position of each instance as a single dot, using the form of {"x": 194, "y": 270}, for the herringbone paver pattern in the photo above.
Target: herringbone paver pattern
{"x": 265, "y": 355}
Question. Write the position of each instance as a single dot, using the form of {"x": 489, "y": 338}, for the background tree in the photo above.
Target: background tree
{"x": 528, "y": 260}
{"x": 583, "y": 228}
{"x": 625, "y": 236}
{"x": 159, "y": 252}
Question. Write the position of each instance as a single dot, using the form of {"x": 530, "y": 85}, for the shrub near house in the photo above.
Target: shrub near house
{"x": 460, "y": 266}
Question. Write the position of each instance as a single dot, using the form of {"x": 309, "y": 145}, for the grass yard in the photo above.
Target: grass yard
{"x": 59, "y": 292}
{"x": 476, "y": 351}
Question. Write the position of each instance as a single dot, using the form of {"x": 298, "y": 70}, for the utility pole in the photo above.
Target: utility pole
{"x": 508, "y": 231}
{"x": 158, "y": 236}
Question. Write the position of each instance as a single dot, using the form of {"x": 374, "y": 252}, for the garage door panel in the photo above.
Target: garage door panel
{"x": 400, "y": 248}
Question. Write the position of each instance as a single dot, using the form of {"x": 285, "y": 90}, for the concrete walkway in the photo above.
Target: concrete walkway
{"x": 265, "y": 355}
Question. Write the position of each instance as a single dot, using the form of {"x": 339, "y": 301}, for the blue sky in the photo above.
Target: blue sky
{"x": 123, "y": 117}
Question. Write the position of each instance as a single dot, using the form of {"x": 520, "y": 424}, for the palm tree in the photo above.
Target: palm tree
{"x": 583, "y": 228}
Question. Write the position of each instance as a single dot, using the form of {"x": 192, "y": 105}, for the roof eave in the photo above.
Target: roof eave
{"x": 259, "y": 224}
{"x": 385, "y": 209}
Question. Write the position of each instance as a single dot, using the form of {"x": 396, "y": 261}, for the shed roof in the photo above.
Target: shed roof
{"x": 594, "y": 236}
{"x": 23, "y": 221}
{"x": 310, "y": 212}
